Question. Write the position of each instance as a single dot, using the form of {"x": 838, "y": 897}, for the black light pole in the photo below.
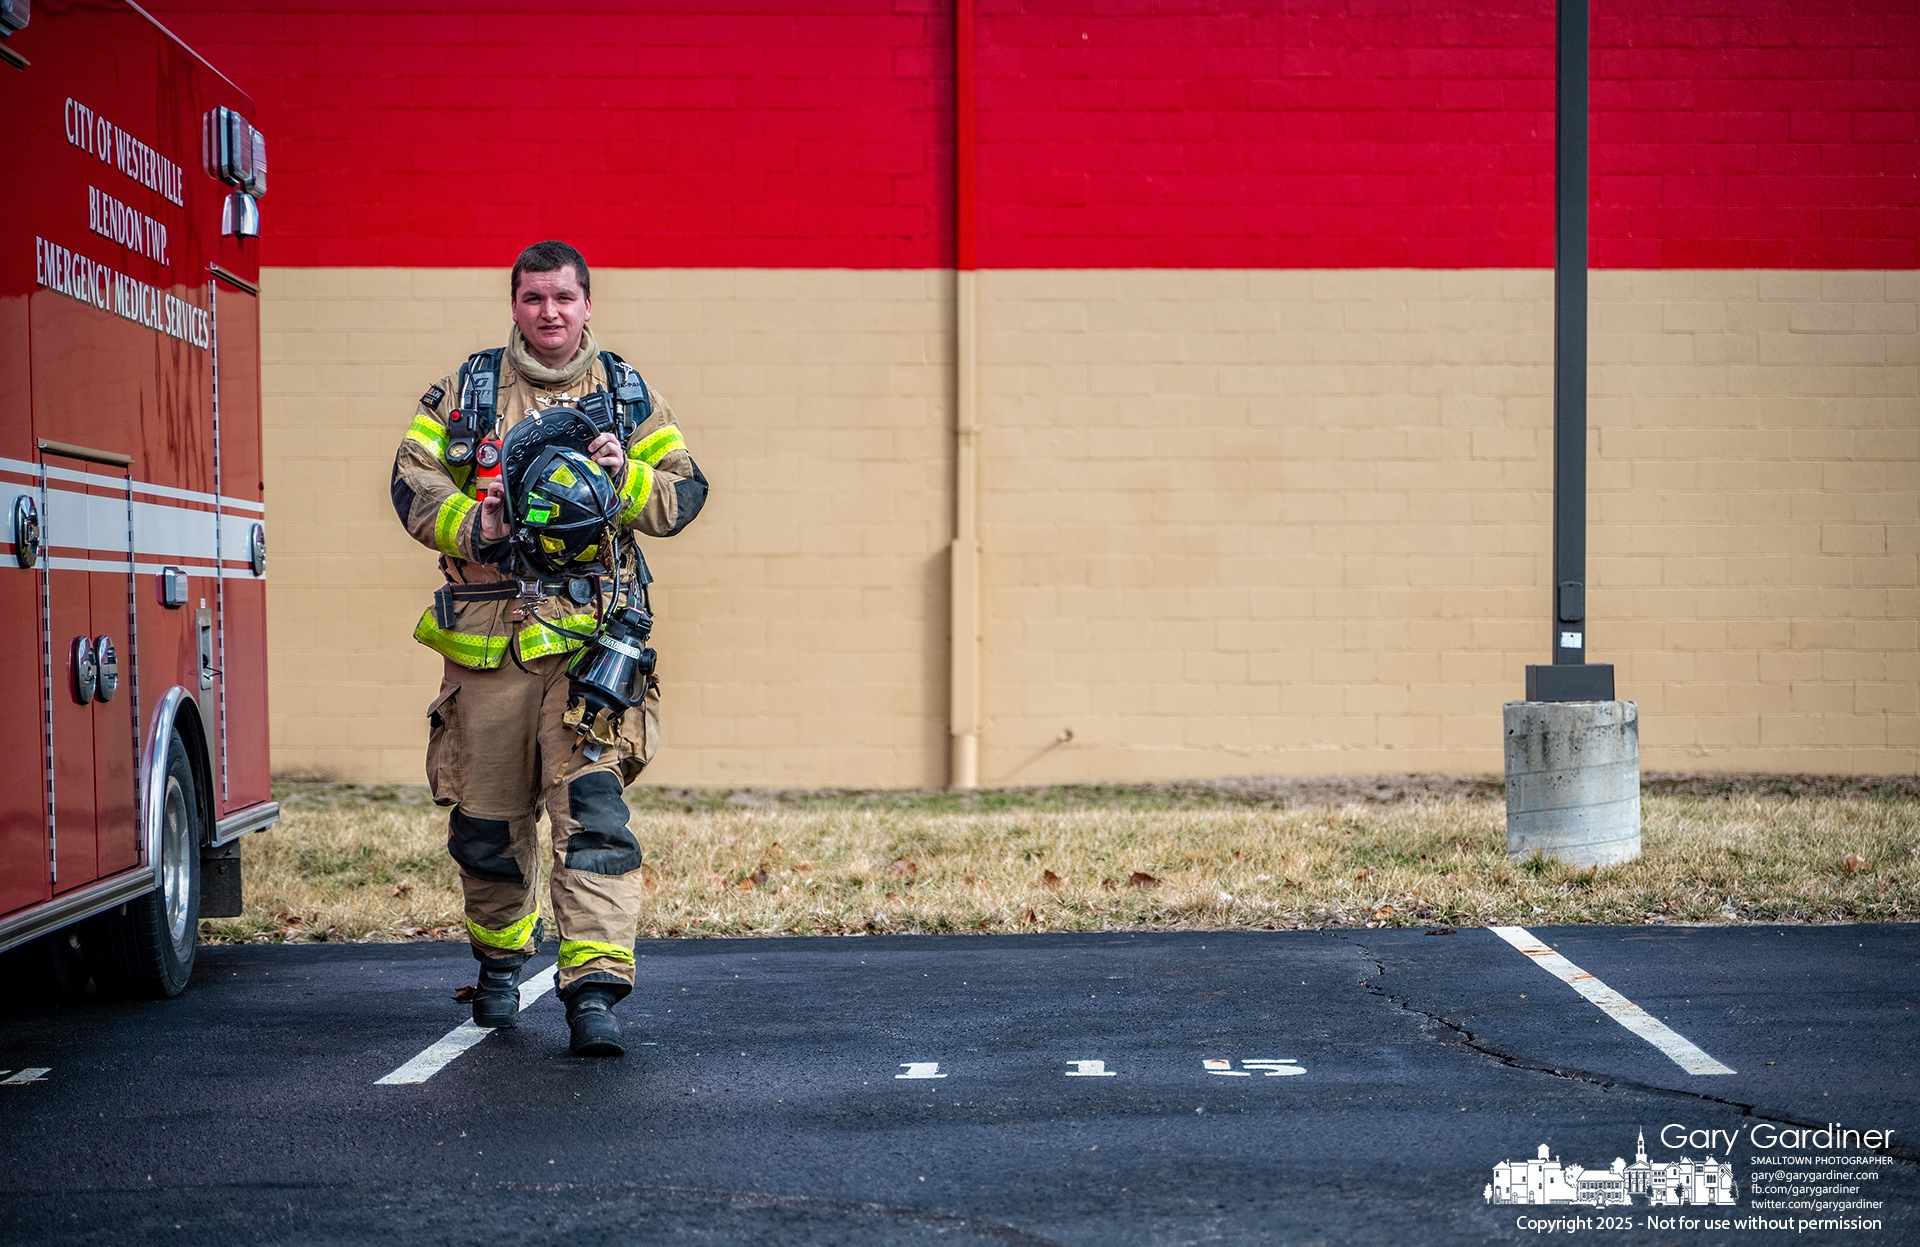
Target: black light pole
{"x": 1570, "y": 677}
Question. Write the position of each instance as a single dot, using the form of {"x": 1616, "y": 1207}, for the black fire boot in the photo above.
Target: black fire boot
{"x": 496, "y": 1001}
{"x": 596, "y": 1032}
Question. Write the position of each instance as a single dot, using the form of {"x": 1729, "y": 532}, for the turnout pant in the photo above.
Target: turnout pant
{"x": 497, "y": 752}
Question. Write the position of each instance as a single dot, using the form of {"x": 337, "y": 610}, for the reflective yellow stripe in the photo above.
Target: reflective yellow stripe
{"x": 483, "y": 653}
{"x": 579, "y": 952}
{"x": 658, "y": 444}
{"x": 429, "y": 433}
{"x": 537, "y": 640}
{"x": 639, "y": 485}
{"x": 446, "y": 525}
{"x": 510, "y": 938}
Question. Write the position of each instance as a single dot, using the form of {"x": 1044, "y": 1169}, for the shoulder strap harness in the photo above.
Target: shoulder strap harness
{"x": 624, "y": 405}
{"x": 473, "y": 420}
{"x": 622, "y": 408}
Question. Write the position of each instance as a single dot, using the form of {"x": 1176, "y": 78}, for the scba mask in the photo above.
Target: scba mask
{"x": 562, "y": 509}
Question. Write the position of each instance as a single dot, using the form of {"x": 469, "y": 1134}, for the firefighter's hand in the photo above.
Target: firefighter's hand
{"x": 606, "y": 451}
{"x": 494, "y": 525}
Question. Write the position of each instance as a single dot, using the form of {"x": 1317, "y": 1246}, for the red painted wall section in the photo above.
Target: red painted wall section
{"x": 1746, "y": 135}
{"x": 1420, "y": 134}
{"x": 1163, "y": 133}
{"x": 699, "y": 134}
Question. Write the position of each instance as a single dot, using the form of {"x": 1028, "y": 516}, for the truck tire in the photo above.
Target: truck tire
{"x": 144, "y": 949}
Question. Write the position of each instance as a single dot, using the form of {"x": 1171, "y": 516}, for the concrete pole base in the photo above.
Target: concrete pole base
{"x": 1573, "y": 781}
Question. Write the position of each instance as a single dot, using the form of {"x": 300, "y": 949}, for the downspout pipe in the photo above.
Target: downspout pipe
{"x": 963, "y": 709}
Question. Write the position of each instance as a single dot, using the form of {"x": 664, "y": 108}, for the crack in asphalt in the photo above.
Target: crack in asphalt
{"x": 1467, "y": 1039}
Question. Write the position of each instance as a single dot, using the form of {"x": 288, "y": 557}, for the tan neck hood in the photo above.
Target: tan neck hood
{"x": 529, "y": 366}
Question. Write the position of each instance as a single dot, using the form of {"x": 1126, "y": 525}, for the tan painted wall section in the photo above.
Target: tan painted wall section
{"x": 802, "y": 619}
{"x": 1232, "y": 522}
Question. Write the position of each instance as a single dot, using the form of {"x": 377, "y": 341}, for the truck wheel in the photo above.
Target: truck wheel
{"x": 145, "y": 948}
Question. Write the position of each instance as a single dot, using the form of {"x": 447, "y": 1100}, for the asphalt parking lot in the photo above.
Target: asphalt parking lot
{"x": 1280, "y": 1087}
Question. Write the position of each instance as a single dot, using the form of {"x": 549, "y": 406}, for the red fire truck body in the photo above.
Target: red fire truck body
{"x": 132, "y": 575}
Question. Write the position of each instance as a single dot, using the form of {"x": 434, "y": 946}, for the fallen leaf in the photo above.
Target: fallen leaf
{"x": 745, "y": 885}
{"x": 1049, "y": 880}
{"x": 903, "y": 868}
{"x": 1109, "y": 883}
{"x": 403, "y": 889}
{"x": 464, "y": 995}
{"x": 1854, "y": 863}
{"x": 1384, "y": 912}
{"x": 1141, "y": 879}
{"x": 804, "y": 868}
{"x": 1031, "y": 916}
{"x": 1366, "y": 873}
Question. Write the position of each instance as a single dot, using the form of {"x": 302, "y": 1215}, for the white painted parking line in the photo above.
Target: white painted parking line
{"x": 920, "y": 1069}
{"x": 1677, "y": 1047}
{"x": 442, "y": 1051}
{"x": 24, "y": 1076}
{"x": 1091, "y": 1069}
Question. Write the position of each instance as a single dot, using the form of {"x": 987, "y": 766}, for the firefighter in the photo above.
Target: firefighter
{"x": 501, "y": 746}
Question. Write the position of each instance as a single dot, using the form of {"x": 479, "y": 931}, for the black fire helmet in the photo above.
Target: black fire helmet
{"x": 561, "y": 500}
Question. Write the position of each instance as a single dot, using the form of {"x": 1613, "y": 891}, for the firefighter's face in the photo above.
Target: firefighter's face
{"x": 552, "y": 312}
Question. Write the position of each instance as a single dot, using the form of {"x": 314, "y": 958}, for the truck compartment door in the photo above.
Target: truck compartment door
{"x": 241, "y": 655}
{"x": 88, "y": 539}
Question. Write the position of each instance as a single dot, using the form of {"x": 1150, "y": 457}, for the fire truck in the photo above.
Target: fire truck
{"x": 133, "y": 572}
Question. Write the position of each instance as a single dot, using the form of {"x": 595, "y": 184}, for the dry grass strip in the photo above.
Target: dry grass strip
{"x": 369, "y": 863}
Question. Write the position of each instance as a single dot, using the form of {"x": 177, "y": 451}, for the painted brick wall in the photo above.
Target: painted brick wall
{"x": 802, "y": 620}
{"x": 1172, "y": 134}
{"x": 1299, "y": 521}
{"x": 1334, "y": 134}
{"x": 1265, "y": 360}
{"x": 727, "y": 134}
{"x": 1234, "y": 521}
